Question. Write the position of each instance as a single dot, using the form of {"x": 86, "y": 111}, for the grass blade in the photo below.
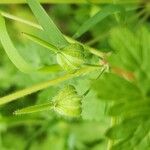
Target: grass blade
{"x": 108, "y": 10}
{"x": 11, "y": 51}
{"x": 35, "y": 108}
{"x": 51, "y": 30}
{"x": 102, "y": 14}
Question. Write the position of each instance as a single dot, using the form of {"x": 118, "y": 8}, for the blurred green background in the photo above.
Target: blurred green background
{"x": 46, "y": 130}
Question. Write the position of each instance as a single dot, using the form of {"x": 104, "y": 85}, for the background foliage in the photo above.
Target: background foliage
{"x": 116, "y": 110}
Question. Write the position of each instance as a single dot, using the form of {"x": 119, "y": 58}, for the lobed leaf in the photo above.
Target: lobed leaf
{"x": 127, "y": 48}
{"x": 133, "y": 141}
{"x": 132, "y": 49}
{"x": 109, "y": 88}
{"x": 123, "y": 130}
{"x": 131, "y": 53}
{"x": 133, "y": 108}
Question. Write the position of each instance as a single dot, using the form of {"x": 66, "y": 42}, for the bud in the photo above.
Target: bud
{"x": 68, "y": 102}
{"x": 71, "y": 57}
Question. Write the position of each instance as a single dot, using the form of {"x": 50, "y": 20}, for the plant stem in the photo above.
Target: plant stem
{"x": 43, "y": 85}
{"x": 12, "y": 17}
{"x": 111, "y": 142}
{"x": 29, "y": 23}
{"x": 102, "y": 71}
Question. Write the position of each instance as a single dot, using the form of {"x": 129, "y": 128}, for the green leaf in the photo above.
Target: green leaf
{"x": 53, "y": 33}
{"x": 34, "y": 109}
{"x": 135, "y": 139}
{"x": 41, "y": 42}
{"x": 109, "y": 88}
{"x": 132, "y": 49}
{"x": 92, "y": 108}
{"x": 16, "y": 58}
{"x": 133, "y": 108}
{"x": 99, "y": 16}
{"x": 11, "y": 51}
{"x": 108, "y": 10}
{"x": 127, "y": 48}
{"x": 123, "y": 130}
{"x": 122, "y": 145}
{"x": 140, "y": 134}
{"x": 144, "y": 35}
{"x": 130, "y": 98}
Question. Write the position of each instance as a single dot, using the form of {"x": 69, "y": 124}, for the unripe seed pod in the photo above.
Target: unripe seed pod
{"x": 68, "y": 102}
{"x": 71, "y": 57}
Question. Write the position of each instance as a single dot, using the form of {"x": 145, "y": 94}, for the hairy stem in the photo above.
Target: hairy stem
{"x": 43, "y": 85}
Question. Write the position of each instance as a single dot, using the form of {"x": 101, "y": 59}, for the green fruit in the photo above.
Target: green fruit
{"x": 71, "y": 57}
{"x": 68, "y": 102}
